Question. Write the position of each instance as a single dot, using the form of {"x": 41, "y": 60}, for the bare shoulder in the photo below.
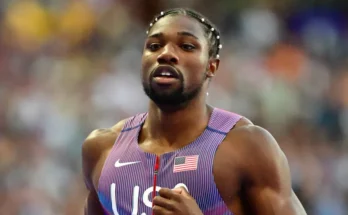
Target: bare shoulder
{"x": 100, "y": 139}
{"x": 95, "y": 145}
{"x": 252, "y": 138}
{"x": 254, "y": 148}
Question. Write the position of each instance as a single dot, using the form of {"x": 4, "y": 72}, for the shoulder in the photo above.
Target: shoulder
{"x": 255, "y": 138}
{"x": 257, "y": 150}
{"x": 100, "y": 139}
{"x": 250, "y": 137}
{"x": 96, "y": 143}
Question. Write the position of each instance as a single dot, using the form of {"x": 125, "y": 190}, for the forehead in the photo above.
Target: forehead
{"x": 178, "y": 23}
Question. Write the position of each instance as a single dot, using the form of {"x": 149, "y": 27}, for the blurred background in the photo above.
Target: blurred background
{"x": 70, "y": 66}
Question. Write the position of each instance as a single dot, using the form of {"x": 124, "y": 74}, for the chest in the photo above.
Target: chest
{"x": 134, "y": 172}
{"x": 127, "y": 179}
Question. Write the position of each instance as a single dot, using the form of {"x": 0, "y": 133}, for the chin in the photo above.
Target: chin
{"x": 173, "y": 98}
{"x": 165, "y": 98}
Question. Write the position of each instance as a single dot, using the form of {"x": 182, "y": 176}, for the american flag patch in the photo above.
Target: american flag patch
{"x": 185, "y": 163}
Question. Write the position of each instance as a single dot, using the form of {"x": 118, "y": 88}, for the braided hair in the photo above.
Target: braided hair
{"x": 211, "y": 32}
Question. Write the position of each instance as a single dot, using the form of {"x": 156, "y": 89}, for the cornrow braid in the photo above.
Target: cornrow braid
{"x": 211, "y": 32}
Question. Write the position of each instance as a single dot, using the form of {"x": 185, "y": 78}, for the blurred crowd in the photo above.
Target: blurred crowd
{"x": 70, "y": 66}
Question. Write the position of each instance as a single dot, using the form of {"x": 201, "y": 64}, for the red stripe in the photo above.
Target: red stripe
{"x": 190, "y": 163}
{"x": 185, "y": 166}
{"x": 189, "y": 167}
{"x": 185, "y": 169}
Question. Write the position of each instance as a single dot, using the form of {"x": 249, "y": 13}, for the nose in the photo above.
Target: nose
{"x": 168, "y": 55}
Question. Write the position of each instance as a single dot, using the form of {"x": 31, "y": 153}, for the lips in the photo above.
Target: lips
{"x": 165, "y": 71}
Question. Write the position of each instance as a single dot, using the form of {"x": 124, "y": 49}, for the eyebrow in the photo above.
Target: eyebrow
{"x": 158, "y": 35}
{"x": 185, "y": 33}
{"x": 181, "y": 33}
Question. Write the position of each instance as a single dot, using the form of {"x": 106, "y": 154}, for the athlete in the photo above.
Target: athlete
{"x": 183, "y": 156}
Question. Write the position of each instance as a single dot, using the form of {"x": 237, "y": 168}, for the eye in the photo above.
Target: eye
{"x": 187, "y": 47}
{"x": 154, "y": 46}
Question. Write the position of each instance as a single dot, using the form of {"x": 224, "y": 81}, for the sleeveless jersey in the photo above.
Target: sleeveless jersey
{"x": 126, "y": 182}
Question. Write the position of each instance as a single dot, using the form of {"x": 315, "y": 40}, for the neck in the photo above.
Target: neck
{"x": 177, "y": 127}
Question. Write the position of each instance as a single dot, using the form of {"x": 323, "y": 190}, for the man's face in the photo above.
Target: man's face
{"x": 175, "y": 60}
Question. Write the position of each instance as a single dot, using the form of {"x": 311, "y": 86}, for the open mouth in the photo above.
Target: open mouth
{"x": 165, "y": 75}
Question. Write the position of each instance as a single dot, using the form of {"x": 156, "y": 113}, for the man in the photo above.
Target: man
{"x": 208, "y": 161}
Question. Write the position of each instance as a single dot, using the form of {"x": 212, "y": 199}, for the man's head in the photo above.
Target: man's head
{"x": 181, "y": 54}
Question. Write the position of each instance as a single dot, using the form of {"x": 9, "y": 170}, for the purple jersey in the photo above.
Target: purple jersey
{"x": 126, "y": 182}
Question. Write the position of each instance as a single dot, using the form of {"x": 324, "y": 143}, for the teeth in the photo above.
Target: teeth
{"x": 165, "y": 74}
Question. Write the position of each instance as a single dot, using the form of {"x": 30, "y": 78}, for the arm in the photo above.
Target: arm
{"x": 94, "y": 151}
{"x": 92, "y": 205}
{"x": 91, "y": 154}
{"x": 267, "y": 185}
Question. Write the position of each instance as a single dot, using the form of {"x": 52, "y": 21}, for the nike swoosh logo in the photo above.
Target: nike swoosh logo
{"x": 119, "y": 164}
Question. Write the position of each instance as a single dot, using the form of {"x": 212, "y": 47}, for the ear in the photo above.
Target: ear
{"x": 213, "y": 66}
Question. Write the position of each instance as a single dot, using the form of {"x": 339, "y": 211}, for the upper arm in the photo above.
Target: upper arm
{"x": 91, "y": 153}
{"x": 92, "y": 204}
{"x": 94, "y": 147}
{"x": 267, "y": 185}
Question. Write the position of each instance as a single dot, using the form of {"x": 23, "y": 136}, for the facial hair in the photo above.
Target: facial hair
{"x": 177, "y": 97}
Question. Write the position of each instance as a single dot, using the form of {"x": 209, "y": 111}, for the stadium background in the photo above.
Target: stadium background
{"x": 70, "y": 66}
